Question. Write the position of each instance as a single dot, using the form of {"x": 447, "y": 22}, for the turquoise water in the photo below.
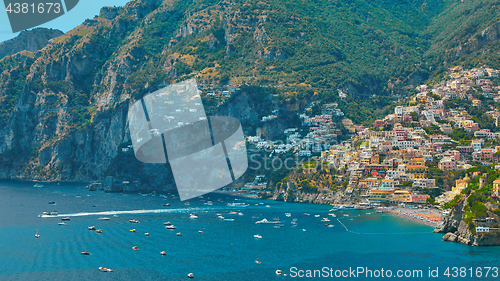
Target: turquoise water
{"x": 224, "y": 251}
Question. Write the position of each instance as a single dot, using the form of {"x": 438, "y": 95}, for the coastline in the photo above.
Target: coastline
{"x": 430, "y": 218}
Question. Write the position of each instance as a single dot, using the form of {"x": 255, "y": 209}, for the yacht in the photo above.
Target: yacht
{"x": 85, "y": 253}
{"x": 133, "y": 230}
{"x": 170, "y": 227}
{"x": 91, "y": 227}
{"x": 37, "y": 235}
{"x": 98, "y": 231}
{"x": 191, "y": 216}
{"x": 257, "y": 236}
{"x": 62, "y": 223}
{"x": 237, "y": 205}
{"x": 133, "y": 221}
{"x": 167, "y": 223}
{"x": 325, "y": 220}
{"x": 163, "y": 253}
{"x": 105, "y": 269}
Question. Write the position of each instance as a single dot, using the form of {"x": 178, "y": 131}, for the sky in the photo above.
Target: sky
{"x": 84, "y": 10}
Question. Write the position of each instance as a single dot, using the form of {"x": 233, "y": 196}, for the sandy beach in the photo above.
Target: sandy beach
{"x": 428, "y": 217}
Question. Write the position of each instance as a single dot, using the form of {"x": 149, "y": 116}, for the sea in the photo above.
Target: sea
{"x": 359, "y": 244}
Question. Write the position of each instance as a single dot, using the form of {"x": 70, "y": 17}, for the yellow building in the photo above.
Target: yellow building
{"x": 461, "y": 185}
{"x": 496, "y": 186}
{"x": 419, "y": 171}
{"x": 401, "y": 196}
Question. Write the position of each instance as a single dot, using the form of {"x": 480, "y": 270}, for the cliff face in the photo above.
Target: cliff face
{"x": 457, "y": 230}
{"x": 30, "y": 40}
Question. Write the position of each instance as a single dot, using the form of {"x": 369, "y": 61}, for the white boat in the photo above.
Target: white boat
{"x": 333, "y": 215}
{"x": 266, "y": 221}
{"x": 228, "y": 219}
{"x": 325, "y": 220}
{"x": 105, "y": 269}
{"x": 191, "y": 216}
{"x": 62, "y": 223}
{"x": 170, "y": 227}
{"x": 267, "y": 206}
{"x": 278, "y": 272}
{"x": 133, "y": 221}
{"x": 317, "y": 216}
{"x": 38, "y": 185}
{"x": 240, "y": 214}
{"x": 257, "y": 236}
{"x": 288, "y": 214}
{"x": 37, "y": 235}
{"x": 104, "y": 219}
{"x": 237, "y": 205}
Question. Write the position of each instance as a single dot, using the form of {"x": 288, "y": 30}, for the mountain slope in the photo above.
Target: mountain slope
{"x": 63, "y": 112}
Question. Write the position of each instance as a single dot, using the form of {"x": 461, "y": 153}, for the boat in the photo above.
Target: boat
{"x": 306, "y": 214}
{"x": 54, "y": 213}
{"x": 166, "y": 205}
{"x": 317, "y": 216}
{"x": 257, "y": 236}
{"x": 163, "y": 253}
{"x": 116, "y": 216}
{"x": 52, "y": 203}
{"x": 378, "y": 211}
{"x": 91, "y": 227}
{"x": 65, "y": 219}
{"x": 85, "y": 253}
{"x": 170, "y": 227}
{"x": 325, "y": 220}
{"x": 200, "y": 231}
{"x": 133, "y": 221}
{"x": 346, "y": 215}
{"x": 288, "y": 214}
{"x": 135, "y": 248}
{"x": 179, "y": 234}
{"x": 98, "y": 231}
{"x": 264, "y": 220}
{"x": 38, "y": 185}
{"x": 167, "y": 223}
{"x": 190, "y": 275}
{"x": 191, "y": 216}
{"x": 37, "y": 235}
{"x": 209, "y": 203}
{"x": 62, "y": 223}
{"x": 257, "y": 260}
{"x": 278, "y": 272}
{"x": 237, "y": 205}
{"x": 147, "y": 234}
{"x": 105, "y": 269}
{"x": 133, "y": 230}
{"x": 333, "y": 215}
{"x": 267, "y": 206}
{"x": 228, "y": 219}
{"x": 220, "y": 217}
{"x": 104, "y": 219}
{"x": 240, "y": 214}
{"x": 233, "y": 213}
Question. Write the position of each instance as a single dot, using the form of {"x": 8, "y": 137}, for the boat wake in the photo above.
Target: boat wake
{"x": 131, "y": 212}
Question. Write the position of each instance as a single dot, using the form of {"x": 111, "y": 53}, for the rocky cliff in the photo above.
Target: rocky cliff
{"x": 456, "y": 229}
{"x": 29, "y": 40}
